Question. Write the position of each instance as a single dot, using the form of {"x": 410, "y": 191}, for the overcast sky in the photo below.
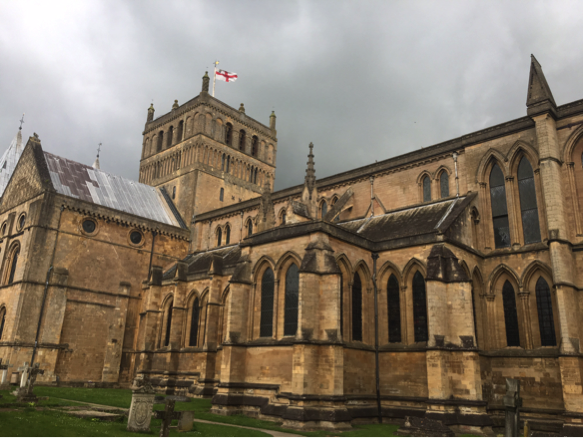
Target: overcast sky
{"x": 363, "y": 80}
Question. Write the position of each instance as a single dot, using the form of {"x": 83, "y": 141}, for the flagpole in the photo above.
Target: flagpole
{"x": 214, "y": 76}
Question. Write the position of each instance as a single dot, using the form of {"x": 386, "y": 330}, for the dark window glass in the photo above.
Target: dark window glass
{"x": 227, "y": 167}
{"x": 342, "y": 319}
{"x": 169, "y": 138}
{"x": 255, "y": 176}
{"x": 2, "y": 320}
{"x": 267, "y": 305}
{"x": 474, "y": 315}
{"x": 174, "y": 192}
{"x": 168, "y": 325}
{"x": 21, "y": 222}
{"x": 249, "y": 228}
{"x": 242, "y": 140}
{"x": 13, "y": 267}
{"x": 179, "y": 132}
{"x": 499, "y": 208}
{"x": 420, "y": 315}
{"x": 223, "y": 162}
{"x": 254, "y": 146}
{"x": 194, "y": 324}
{"x": 221, "y": 194}
{"x": 357, "y": 301}
{"x": 283, "y": 218}
{"x": 393, "y": 310}
{"x": 227, "y": 234}
{"x": 159, "y": 145}
{"x": 324, "y": 209}
{"x": 136, "y": 237}
{"x": 427, "y": 189}
{"x": 219, "y": 236}
{"x": 545, "y": 314}
{"x": 444, "y": 190}
{"x": 510, "y": 309}
{"x": 228, "y": 133}
{"x": 88, "y": 226}
{"x": 291, "y": 302}
{"x": 528, "y": 201}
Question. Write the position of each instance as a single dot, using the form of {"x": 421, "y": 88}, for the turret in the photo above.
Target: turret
{"x": 150, "y": 113}
{"x": 206, "y": 82}
{"x": 273, "y": 121}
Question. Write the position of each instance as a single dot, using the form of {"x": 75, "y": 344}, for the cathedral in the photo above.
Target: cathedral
{"x": 413, "y": 286}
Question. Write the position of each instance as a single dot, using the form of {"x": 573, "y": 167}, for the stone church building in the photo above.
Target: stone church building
{"x": 416, "y": 284}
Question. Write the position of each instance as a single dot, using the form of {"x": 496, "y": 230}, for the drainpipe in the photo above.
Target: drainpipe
{"x": 455, "y": 157}
{"x": 50, "y": 270}
{"x": 375, "y": 256}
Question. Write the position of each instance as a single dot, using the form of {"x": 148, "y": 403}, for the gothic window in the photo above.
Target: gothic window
{"x": 291, "y": 301}
{"x": 227, "y": 234}
{"x": 267, "y": 304}
{"x": 160, "y": 139}
{"x": 249, "y": 227}
{"x": 194, "y": 324}
{"x": 444, "y": 189}
{"x": 219, "y": 236}
{"x": 223, "y": 162}
{"x": 420, "y": 315}
{"x": 12, "y": 262}
{"x": 174, "y": 192}
{"x": 2, "y": 320}
{"x": 227, "y": 166}
{"x": 341, "y": 302}
{"x": 529, "y": 215}
{"x": 242, "y": 140}
{"x": 427, "y": 189}
{"x": 545, "y": 314}
{"x": 228, "y": 133}
{"x": 357, "y": 308}
{"x": 221, "y": 194}
{"x": 169, "y": 139}
{"x": 283, "y": 217}
{"x": 499, "y": 208}
{"x": 323, "y": 209}
{"x": 577, "y": 160}
{"x": 393, "y": 310}
{"x": 255, "y": 176}
{"x": 168, "y": 324}
{"x": 254, "y": 146}
{"x": 179, "y": 131}
{"x": 510, "y": 310}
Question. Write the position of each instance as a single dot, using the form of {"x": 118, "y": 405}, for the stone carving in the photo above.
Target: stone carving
{"x": 140, "y": 413}
{"x": 25, "y": 394}
{"x": 4, "y": 383}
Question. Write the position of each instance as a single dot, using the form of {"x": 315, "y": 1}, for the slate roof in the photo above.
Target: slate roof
{"x": 201, "y": 262}
{"x": 98, "y": 187}
{"x": 409, "y": 222}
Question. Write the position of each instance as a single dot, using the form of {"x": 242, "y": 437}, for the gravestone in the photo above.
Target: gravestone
{"x": 140, "y": 413}
{"x": 24, "y": 377}
{"x": 417, "y": 426}
{"x": 512, "y": 402}
{"x": 4, "y": 383}
{"x": 185, "y": 423}
{"x": 26, "y": 394}
{"x": 167, "y": 416}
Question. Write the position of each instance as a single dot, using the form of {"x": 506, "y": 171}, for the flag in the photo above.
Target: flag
{"x": 226, "y": 76}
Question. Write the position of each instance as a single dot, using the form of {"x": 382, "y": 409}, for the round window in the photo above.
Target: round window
{"x": 89, "y": 226}
{"x": 136, "y": 237}
{"x": 21, "y": 221}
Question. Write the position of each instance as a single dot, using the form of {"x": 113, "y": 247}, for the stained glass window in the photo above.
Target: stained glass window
{"x": 357, "y": 309}
{"x": 545, "y": 313}
{"x": 168, "y": 324}
{"x": 194, "y": 324}
{"x": 510, "y": 309}
{"x": 291, "y": 301}
{"x": 393, "y": 310}
{"x": 267, "y": 305}
{"x": 528, "y": 202}
{"x": 499, "y": 208}
{"x": 444, "y": 189}
{"x": 427, "y": 189}
{"x": 420, "y": 315}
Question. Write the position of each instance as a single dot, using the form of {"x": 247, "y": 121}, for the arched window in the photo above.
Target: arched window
{"x": 223, "y": 162}
{"x": 242, "y": 140}
{"x": 249, "y": 227}
{"x": 227, "y": 234}
{"x": 545, "y": 314}
{"x": 168, "y": 324}
{"x": 227, "y": 166}
{"x": 221, "y": 194}
{"x": 228, "y": 133}
{"x": 283, "y": 217}
{"x": 254, "y": 146}
{"x": 420, "y": 315}
{"x": 357, "y": 308}
{"x": 444, "y": 189}
{"x": 160, "y": 139}
{"x": 12, "y": 262}
{"x": 510, "y": 310}
{"x": 255, "y": 176}
{"x": 219, "y": 236}
{"x": 291, "y": 301}
{"x": 169, "y": 139}
{"x": 393, "y": 310}
{"x": 341, "y": 302}
{"x": 2, "y": 320}
{"x": 528, "y": 201}
{"x": 179, "y": 131}
{"x": 267, "y": 304}
{"x": 194, "y": 324}
{"x": 323, "y": 209}
{"x": 427, "y": 189}
{"x": 499, "y": 208}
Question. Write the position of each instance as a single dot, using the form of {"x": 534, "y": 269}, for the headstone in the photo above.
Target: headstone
{"x": 24, "y": 377}
{"x": 26, "y": 394}
{"x": 4, "y": 383}
{"x": 140, "y": 413}
{"x": 167, "y": 416}
{"x": 417, "y": 426}
{"x": 512, "y": 402}
{"x": 185, "y": 423}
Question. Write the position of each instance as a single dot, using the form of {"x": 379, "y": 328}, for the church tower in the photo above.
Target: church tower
{"x": 207, "y": 155}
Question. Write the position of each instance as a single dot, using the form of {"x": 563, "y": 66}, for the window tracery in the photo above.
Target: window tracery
{"x": 528, "y": 202}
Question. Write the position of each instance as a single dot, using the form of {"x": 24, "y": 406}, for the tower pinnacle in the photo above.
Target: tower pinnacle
{"x": 310, "y": 178}
{"x": 539, "y": 95}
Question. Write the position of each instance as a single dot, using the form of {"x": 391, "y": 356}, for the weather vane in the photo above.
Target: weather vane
{"x": 21, "y": 122}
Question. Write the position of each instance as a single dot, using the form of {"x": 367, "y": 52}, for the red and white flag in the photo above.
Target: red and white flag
{"x": 226, "y": 76}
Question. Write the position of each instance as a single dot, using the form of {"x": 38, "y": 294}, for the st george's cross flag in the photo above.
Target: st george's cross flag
{"x": 226, "y": 76}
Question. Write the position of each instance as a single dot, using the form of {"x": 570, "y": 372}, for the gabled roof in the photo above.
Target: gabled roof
{"x": 98, "y": 187}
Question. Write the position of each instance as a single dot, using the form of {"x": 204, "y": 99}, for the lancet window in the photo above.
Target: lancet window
{"x": 267, "y": 304}
{"x": 357, "y": 308}
{"x": 420, "y": 312}
{"x": 291, "y": 301}
{"x": 242, "y": 140}
{"x": 228, "y": 133}
{"x": 2, "y": 320}
{"x": 254, "y": 146}
{"x": 168, "y": 324}
{"x": 219, "y": 236}
{"x": 499, "y": 208}
{"x": 427, "y": 189}
{"x": 249, "y": 227}
{"x": 444, "y": 189}
{"x": 545, "y": 313}
{"x": 528, "y": 201}
{"x": 227, "y": 234}
{"x": 510, "y": 311}
{"x": 194, "y": 323}
{"x": 393, "y": 310}
{"x": 169, "y": 139}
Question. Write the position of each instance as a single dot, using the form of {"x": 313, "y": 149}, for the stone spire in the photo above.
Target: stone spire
{"x": 150, "y": 113}
{"x": 539, "y": 95}
{"x": 206, "y": 81}
{"x": 309, "y": 193}
{"x": 310, "y": 178}
{"x": 10, "y": 158}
